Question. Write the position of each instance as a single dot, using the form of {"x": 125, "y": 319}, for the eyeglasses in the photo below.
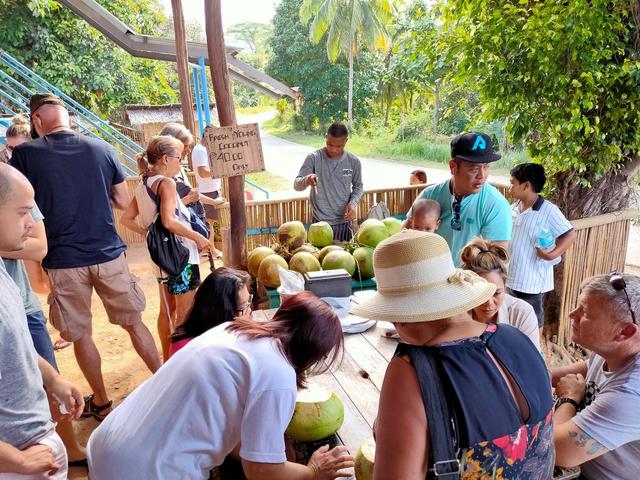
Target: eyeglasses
{"x": 617, "y": 282}
{"x": 175, "y": 157}
{"x": 246, "y": 308}
{"x": 456, "y": 224}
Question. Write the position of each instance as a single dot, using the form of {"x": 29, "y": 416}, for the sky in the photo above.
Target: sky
{"x": 233, "y": 11}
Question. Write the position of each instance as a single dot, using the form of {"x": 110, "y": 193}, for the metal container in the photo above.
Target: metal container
{"x": 329, "y": 283}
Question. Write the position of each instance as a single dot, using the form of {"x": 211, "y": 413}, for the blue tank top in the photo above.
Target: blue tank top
{"x": 492, "y": 440}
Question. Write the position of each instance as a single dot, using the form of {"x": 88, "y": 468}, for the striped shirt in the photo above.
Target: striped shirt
{"x": 339, "y": 183}
{"x": 529, "y": 273}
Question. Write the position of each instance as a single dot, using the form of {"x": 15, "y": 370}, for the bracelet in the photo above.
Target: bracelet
{"x": 563, "y": 400}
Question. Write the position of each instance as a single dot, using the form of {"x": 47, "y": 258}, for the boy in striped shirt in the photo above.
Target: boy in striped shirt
{"x": 531, "y": 269}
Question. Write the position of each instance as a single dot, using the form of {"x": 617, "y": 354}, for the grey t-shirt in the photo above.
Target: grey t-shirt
{"x": 339, "y": 183}
{"x": 613, "y": 419}
{"x": 17, "y": 271}
{"x": 24, "y": 410}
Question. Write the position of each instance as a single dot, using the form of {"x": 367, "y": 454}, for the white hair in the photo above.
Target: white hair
{"x": 616, "y": 300}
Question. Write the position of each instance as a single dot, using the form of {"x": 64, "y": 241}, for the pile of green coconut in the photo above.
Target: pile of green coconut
{"x": 304, "y": 251}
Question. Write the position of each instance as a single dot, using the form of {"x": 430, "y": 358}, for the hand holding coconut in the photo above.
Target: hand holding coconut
{"x": 327, "y": 464}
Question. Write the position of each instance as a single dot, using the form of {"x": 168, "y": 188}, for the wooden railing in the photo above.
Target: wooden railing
{"x": 265, "y": 216}
{"x": 600, "y": 247}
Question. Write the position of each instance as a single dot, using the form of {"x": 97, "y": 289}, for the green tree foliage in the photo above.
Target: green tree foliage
{"x": 567, "y": 77}
{"x": 349, "y": 26}
{"x": 255, "y": 41}
{"x": 298, "y": 62}
{"x": 253, "y": 36}
{"x": 48, "y": 38}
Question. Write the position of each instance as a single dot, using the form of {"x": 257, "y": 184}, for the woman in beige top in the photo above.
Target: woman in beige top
{"x": 490, "y": 260}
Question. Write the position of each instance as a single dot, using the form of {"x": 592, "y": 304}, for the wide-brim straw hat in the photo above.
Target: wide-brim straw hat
{"x": 417, "y": 281}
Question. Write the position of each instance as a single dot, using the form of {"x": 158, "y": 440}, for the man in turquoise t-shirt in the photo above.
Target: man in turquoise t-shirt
{"x": 470, "y": 207}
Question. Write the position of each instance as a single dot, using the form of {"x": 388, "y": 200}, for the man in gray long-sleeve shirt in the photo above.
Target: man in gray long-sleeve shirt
{"x": 336, "y": 178}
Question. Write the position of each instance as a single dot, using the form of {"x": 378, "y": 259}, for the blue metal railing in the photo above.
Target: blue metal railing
{"x": 87, "y": 121}
{"x": 257, "y": 187}
{"x": 17, "y": 94}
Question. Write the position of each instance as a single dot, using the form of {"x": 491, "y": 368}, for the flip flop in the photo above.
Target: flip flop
{"x": 93, "y": 410}
{"x": 61, "y": 343}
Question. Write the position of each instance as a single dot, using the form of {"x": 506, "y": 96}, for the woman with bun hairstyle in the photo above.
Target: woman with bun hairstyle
{"x": 490, "y": 260}
{"x": 158, "y": 164}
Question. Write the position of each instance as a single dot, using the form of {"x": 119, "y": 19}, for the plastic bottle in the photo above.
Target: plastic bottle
{"x": 544, "y": 238}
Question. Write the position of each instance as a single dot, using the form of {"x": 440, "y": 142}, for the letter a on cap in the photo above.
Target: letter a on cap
{"x": 480, "y": 143}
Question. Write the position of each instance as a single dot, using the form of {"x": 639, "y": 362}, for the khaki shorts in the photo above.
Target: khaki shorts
{"x": 71, "y": 290}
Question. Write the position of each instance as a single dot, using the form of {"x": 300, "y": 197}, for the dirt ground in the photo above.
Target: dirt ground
{"x": 122, "y": 369}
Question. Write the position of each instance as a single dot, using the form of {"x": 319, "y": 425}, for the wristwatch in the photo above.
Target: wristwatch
{"x": 563, "y": 400}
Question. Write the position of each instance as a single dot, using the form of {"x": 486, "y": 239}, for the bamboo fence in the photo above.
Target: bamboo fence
{"x": 600, "y": 247}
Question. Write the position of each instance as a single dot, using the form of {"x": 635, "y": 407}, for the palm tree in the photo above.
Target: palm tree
{"x": 349, "y": 24}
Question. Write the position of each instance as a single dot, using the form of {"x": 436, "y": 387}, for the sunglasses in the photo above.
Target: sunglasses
{"x": 456, "y": 224}
{"x": 617, "y": 282}
{"x": 247, "y": 307}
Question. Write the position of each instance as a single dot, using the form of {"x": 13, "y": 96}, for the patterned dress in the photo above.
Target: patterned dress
{"x": 493, "y": 442}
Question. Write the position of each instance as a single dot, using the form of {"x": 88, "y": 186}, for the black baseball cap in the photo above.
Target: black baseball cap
{"x": 473, "y": 147}
{"x": 38, "y": 100}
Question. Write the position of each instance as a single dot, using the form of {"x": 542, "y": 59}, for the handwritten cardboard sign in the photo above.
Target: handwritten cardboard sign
{"x": 234, "y": 150}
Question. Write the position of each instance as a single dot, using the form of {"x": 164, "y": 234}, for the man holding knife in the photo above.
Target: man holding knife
{"x": 335, "y": 176}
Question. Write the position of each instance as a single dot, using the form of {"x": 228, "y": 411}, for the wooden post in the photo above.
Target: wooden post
{"x": 182, "y": 66}
{"x": 227, "y": 117}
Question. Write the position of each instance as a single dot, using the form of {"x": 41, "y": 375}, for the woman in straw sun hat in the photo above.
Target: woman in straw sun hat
{"x": 482, "y": 389}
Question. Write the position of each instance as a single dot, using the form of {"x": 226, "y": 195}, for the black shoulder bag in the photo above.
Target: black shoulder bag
{"x": 444, "y": 461}
{"x": 166, "y": 251}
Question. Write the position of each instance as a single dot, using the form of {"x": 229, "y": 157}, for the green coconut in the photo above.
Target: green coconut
{"x": 318, "y": 414}
{"x": 292, "y": 235}
{"x": 307, "y": 247}
{"x": 255, "y": 258}
{"x": 268, "y": 271}
{"x": 339, "y": 259}
{"x": 320, "y": 234}
{"x": 371, "y": 233}
{"x": 364, "y": 261}
{"x": 365, "y": 457}
{"x": 325, "y": 250}
{"x": 393, "y": 225}
{"x": 303, "y": 262}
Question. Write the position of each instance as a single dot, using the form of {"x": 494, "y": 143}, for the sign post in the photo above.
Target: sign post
{"x": 234, "y": 150}
{"x": 227, "y": 116}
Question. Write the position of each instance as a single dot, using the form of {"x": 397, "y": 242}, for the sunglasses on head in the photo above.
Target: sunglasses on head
{"x": 617, "y": 282}
{"x": 456, "y": 224}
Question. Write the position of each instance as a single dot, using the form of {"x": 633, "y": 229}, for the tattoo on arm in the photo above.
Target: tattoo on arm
{"x": 586, "y": 441}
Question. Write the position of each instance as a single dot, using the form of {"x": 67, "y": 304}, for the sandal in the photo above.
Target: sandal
{"x": 93, "y": 410}
{"x": 61, "y": 343}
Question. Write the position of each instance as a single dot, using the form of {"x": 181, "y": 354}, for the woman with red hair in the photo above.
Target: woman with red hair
{"x": 233, "y": 385}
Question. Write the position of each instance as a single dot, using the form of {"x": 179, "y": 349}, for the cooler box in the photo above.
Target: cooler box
{"x": 329, "y": 283}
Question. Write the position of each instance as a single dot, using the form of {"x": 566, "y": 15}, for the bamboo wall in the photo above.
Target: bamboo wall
{"x": 600, "y": 247}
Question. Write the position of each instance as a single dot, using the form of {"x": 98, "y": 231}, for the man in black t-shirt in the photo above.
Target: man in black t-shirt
{"x": 77, "y": 180}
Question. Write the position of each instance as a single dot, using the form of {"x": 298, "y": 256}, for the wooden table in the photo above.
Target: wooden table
{"x": 357, "y": 380}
